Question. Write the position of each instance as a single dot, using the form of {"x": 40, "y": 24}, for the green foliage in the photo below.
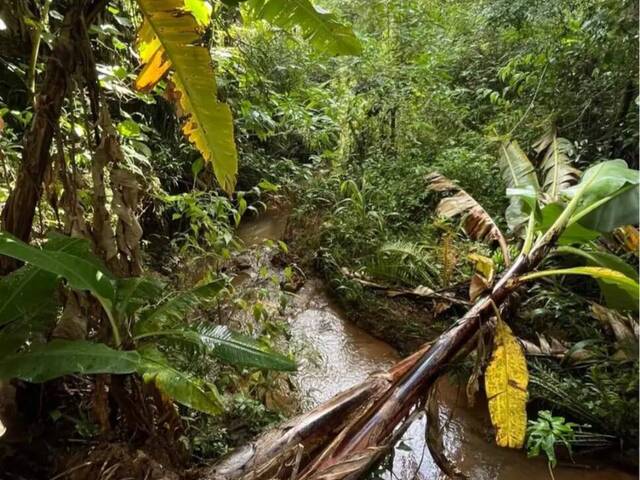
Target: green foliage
{"x": 174, "y": 309}
{"x": 547, "y": 432}
{"x": 64, "y": 357}
{"x": 182, "y": 387}
{"x": 610, "y": 196}
{"x": 622, "y": 298}
{"x": 234, "y": 348}
{"x": 603, "y": 396}
{"x": 80, "y": 269}
{"x": 319, "y": 27}
{"x": 350, "y": 140}
{"x": 71, "y": 260}
{"x": 403, "y": 263}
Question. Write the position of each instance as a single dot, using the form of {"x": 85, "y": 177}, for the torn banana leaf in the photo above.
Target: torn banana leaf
{"x": 169, "y": 39}
{"x": 478, "y": 224}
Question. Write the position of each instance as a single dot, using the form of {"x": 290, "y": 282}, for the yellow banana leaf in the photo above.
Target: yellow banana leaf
{"x": 506, "y": 379}
{"x": 169, "y": 40}
{"x": 483, "y": 277}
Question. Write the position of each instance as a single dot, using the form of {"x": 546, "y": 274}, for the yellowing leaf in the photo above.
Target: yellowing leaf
{"x": 627, "y": 287}
{"x": 628, "y": 237}
{"x": 483, "y": 278}
{"x": 169, "y": 39}
{"x": 505, "y": 381}
{"x": 484, "y": 266}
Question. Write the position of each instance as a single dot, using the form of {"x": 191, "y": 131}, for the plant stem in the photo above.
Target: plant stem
{"x": 37, "y": 40}
{"x": 114, "y": 326}
{"x": 158, "y": 334}
{"x": 528, "y": 241}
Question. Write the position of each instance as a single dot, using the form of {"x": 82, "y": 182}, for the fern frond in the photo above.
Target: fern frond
{"x": 402, "y": 262}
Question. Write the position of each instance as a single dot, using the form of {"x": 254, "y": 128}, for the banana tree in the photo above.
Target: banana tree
{"x": 148, "y": 329}
{"x": 344, "y": 437}
{"x": 168, "y": 45}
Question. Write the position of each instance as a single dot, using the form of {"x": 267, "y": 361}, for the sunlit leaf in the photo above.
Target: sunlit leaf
{"x": 614, "y": 295}
{"x": 628, "y": 288}
{"x": 169, "y": 39}
{"x": 320, "y": 28}
{"x": 182, "y": 387}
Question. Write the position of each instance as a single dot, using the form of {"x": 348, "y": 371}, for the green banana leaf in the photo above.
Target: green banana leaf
{"x": 65, "y": 357}
{"x": 182, "y": 387}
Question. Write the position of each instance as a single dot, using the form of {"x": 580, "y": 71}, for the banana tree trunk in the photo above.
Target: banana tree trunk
{"x": 343, "y": 438}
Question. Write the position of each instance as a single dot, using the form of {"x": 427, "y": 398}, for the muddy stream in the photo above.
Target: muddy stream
{"x": 339, "y": 355}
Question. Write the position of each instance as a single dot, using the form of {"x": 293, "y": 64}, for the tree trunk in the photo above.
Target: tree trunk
{"x": 19, "y": 211}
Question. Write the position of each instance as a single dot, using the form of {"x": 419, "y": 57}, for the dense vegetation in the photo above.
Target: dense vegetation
{"x": 136, "y": 136}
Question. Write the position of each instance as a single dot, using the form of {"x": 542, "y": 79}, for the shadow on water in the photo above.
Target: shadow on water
{"x": 338, "y": 355}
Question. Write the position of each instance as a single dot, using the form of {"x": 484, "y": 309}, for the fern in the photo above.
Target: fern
{"x": 404, "y": 263}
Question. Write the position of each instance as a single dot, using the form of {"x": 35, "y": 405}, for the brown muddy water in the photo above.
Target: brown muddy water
{"x": 336, "y": 354}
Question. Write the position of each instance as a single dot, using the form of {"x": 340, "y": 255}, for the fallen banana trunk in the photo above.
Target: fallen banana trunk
{"x": 343, "y": 438}
{"x": 276, "y": 451}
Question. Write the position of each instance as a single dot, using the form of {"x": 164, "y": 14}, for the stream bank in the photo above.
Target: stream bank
{"x": 336, "y": 354}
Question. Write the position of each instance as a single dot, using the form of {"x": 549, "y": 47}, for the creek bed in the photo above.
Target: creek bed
{"x": 337, "y": 355}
